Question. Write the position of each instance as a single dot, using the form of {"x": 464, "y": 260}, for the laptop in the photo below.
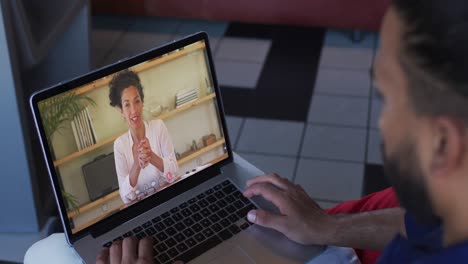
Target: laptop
{"x": 193, "y": 204}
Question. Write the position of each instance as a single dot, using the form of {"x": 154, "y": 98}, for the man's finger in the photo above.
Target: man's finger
{"x": 145, "y": 249}
{"x": 268, "y": 191}
{"x": 274, "y": 179}
{"x": 115, "y": 252}
{"x": 267, "y": 219}
{"x": 129, "y": 250}
{"x": 103, "y": 257}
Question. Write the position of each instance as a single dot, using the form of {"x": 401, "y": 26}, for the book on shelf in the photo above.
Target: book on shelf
{"x": 75, "y": 135}
{"x": 91, "y": 124}
{"x": 186, "y": 96}
{"x": 185, "y": 93}
{"x": 83, "y": 130}
{"x": 87, "y": 128}
{"x": 79, "y": 132}
{"x": 185, "y": 100}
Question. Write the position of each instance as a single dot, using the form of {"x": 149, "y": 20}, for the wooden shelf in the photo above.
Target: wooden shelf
{"x": 201, "y": 152}
{"x": 92, "y": 222}
{"x": 100, "y": 201}
{"x": 143, "y": 66}
{"x": 93, "y": 204}
{"x": 162, "y": 116}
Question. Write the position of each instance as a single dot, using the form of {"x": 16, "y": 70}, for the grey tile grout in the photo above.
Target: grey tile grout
{"x": 267, "y": 154}
{"x": 241, "y": 128}
{"x": 299, "y": 157}
{"x": 331, "y": 125}
{"x": 301, "y": 144}
{"x": 215, "y": 51}
{"x": 238, "y": 61}
{"x": 341, "y": 95}
{"x": 274, "y": 120}
{"x": 332, "y": 160}
{"x": 369, "y": 121}
{"x": 349, "y": 47}
{"x": 355, "y": 69}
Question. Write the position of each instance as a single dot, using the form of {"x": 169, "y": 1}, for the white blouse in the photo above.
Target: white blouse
{"x": 150, "y": 177}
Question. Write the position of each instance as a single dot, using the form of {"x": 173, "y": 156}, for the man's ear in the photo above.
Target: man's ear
{"x": 448, "y": 145}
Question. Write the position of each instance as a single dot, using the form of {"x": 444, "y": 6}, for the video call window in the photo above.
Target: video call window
{"x": 126, "y": 136}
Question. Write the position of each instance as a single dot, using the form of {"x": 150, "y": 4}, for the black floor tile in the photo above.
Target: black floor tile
{"x": 285, "y": 86}
{"x": 374, "y": 179}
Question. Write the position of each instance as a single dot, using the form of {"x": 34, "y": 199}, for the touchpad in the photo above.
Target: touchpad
{"x": 234, "y": 255}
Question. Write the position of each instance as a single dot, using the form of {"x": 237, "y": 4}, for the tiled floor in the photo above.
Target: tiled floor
{"x": 326, "y": 143}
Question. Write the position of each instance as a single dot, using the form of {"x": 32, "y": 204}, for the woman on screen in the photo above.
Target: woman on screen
{"x": 144, "y": 156}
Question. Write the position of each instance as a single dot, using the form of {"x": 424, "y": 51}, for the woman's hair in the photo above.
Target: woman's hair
{"x": 120, "y": 82}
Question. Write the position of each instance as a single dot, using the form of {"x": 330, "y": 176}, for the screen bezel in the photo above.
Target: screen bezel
{"x": 156, "y": 199}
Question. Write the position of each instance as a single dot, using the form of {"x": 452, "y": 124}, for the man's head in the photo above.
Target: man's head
{"x": 422, "y": 73}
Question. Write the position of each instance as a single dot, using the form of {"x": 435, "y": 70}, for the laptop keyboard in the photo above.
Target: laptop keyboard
{"x": 197, "y": 225}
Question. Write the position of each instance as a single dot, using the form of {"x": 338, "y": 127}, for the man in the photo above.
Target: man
{"x": 422, "y": 74}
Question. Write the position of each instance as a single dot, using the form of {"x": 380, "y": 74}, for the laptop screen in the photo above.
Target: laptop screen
{"x": 156, "y": 123}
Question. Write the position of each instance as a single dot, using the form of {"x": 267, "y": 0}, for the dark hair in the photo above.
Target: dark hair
{"x": 434, "y": 55}
{"x": 120, "y": 82}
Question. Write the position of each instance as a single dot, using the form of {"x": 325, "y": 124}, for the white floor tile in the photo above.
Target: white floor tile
{"x": 283, "y": 166}
{"x": 270, "y": 136}
{"x": 330, "y": 180}
{"x": 243, "y": 49}
{"x": 238, "y": 74}
{"x": 347, "y": 58}
{"x": 336, "y": 143}
{"x": 339, "y": 110}
{"x": 342, "y": 82}
{"x": 376, "y": 109}
{"x": 234, "y": 125}
{"x": 214, "y": 43}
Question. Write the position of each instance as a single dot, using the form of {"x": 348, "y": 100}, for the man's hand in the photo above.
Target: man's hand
{"x": 130, "y": 250}
{"x": 301, "y": 219}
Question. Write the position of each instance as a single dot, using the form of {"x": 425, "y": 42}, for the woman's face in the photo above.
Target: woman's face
{"x": 132, "y": 107}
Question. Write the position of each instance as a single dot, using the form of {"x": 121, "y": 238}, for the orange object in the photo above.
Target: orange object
{"x": 208, "y": 140}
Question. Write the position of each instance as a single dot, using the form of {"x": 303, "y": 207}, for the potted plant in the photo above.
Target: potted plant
{"x": 60, "y": 109}
{"x": 55, "y": 112}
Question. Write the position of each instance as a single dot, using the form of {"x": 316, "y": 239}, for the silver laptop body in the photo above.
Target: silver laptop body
{"x": 204, "y": 163}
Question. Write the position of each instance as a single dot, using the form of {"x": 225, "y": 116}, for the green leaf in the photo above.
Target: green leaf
{"x": 60, "y": 109}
